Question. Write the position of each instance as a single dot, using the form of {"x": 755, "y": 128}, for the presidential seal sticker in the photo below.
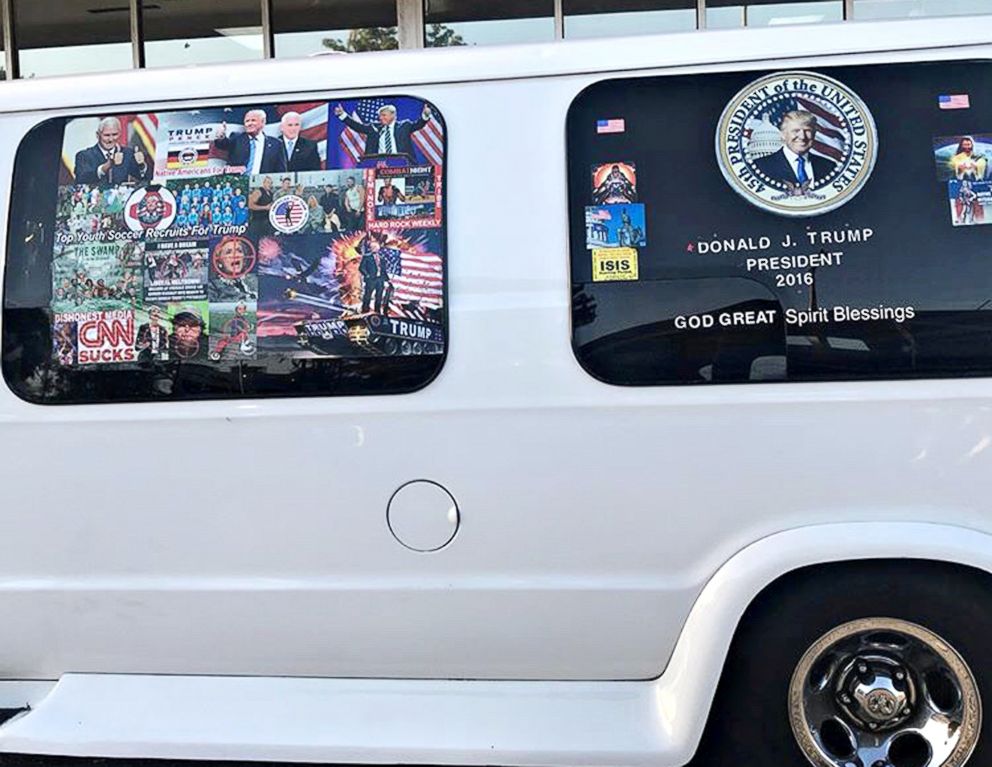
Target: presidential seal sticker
{"x": 796, "y": 144}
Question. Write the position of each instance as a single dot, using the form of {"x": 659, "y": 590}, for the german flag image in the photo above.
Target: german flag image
{"x": 188, "y": 156}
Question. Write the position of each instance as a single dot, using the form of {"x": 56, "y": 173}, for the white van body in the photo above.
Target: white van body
{"x": 610, "y": 538}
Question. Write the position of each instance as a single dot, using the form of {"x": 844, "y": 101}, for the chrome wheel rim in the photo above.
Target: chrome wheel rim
{"x": 883, "y": 692}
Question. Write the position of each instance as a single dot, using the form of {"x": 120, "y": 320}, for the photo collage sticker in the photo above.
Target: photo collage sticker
{"x": 218, "y": 235}
{"x": 615, "y": 222}
{"x": 962, "y": 164}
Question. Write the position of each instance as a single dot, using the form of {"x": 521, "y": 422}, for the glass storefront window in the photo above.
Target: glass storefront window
{"x": 478, "y": 22}
{"x": 308, "y": 27}
{"x": 596, "y": 18}
{"x": 185, "y": 32}
{"x": 903, "y": 9}
{"x": 60, "y": 37}
{"x": 729, "y": 14}
{"x": 66, "y": 37}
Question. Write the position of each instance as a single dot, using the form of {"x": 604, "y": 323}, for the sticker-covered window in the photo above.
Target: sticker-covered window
{"x": 799, "y": 225}
{"x": 228, "y": 251}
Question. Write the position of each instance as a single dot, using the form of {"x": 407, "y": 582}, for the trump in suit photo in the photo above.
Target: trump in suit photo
{"x": 301, "y": 153}
{"x": 108, "y": 162}
{"x": 152, "y": 342}
{"x": 794, "y": 164}
{"x": 252, "y": 149}
{"x": 390, "y": 136}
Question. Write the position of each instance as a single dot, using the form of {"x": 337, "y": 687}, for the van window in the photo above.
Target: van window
{"x": 228, "y": 251}
{"x": 783, "y": 226}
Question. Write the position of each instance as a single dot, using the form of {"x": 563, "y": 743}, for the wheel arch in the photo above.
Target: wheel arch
{"x": 687, "y": 689}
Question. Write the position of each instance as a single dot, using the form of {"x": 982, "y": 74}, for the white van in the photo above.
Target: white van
{"x": 596, "y": 403}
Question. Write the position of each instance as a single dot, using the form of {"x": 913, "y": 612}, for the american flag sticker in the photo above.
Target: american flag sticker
{"x": 288, "y": 214}
{"x": 954, "y": 101}
{"x": 616, "y": 125}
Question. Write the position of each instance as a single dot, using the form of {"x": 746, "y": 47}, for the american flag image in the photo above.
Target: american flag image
{"x": 615, "y": 125}
{"x": 141, "y": 130}
{"x": 313, "y": 123}
{"x": 289, "y": 213}
{"x": 955, "y": 101}
{"x": 393, "y": 260}
{"x": 417, "y": 279}
{"x": 832, "y": 131}
{"x": 429, "y": 139}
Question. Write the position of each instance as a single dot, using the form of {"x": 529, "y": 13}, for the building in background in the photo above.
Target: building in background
{"x": 60, "y": 37}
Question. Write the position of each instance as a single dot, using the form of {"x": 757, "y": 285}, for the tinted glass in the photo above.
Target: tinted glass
{"x": 307, "y": 27}
{"x": 739, "y": 14}
{"x": 478, "y": 22}
{"x": 182, "y": 32}
{"x": 902, "y": 9}
{"x": 804, "y": 226}
{"x": 596, "y": 18}
{"x": 228, "y": 251}
{"x": 60, "y": 37}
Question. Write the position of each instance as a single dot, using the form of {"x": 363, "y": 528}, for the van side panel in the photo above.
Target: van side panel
{"x": 250, "y": 537}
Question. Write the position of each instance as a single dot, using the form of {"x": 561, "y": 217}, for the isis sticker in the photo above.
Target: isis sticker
{"x": 796, "y": 144}
{"x": 614, "y": 264}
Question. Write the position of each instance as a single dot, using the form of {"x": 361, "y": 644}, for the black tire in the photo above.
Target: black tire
{"x": 749, "y": 725}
